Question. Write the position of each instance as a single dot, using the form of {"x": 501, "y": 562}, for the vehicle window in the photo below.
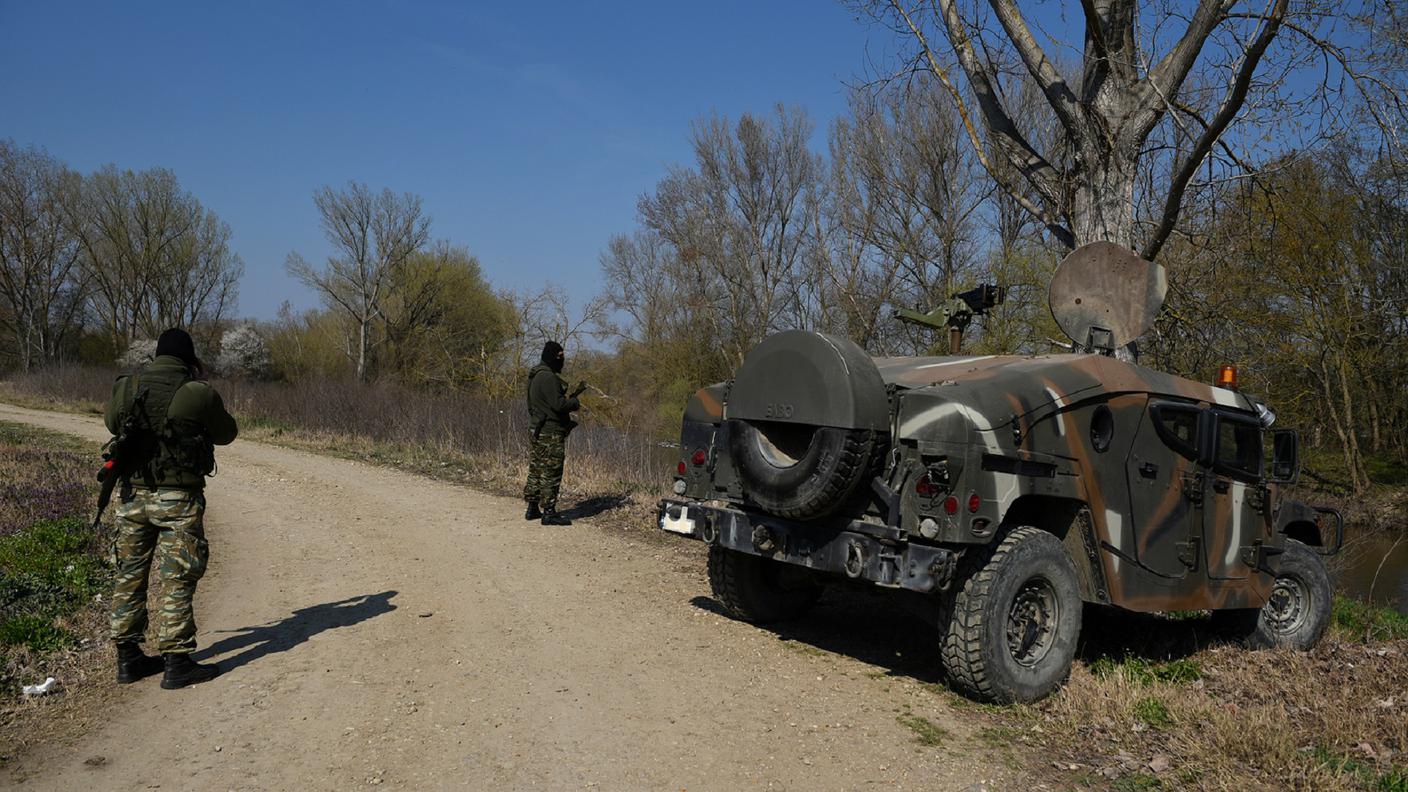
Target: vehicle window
{"x": 1178, "y": 426}
{"x": 1238, "y": 448}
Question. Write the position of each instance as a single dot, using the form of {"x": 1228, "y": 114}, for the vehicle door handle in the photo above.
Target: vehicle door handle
{"x": 1148, "y": 470}
{"x": 1220, "y": 485}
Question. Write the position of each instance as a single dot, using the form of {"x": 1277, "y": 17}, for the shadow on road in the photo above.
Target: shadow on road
{"x": 900, "y": 634}
{"x": 591, "y": 507}
{"x": 294, "y": 629}
{"x": 894, "y": 633}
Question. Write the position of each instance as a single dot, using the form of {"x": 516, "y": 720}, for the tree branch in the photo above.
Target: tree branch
{"x": 1166, "y": 78}
{"x": 1058, "y": 94}
{"x": 1007, "y": 138}
{"x": 1231, "y": 103}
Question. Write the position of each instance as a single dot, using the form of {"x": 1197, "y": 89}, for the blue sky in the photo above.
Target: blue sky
{"x": 529, "y": 129}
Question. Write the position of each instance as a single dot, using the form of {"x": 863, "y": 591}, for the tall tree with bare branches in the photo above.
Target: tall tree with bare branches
{"x": 40, "y": 287}
{"x": 1211, "y": 78}
{"x": 373, "y": 236}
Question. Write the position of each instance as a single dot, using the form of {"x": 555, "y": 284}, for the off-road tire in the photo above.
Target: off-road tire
{"x": 760, "y": 590}
{"x": 977, "y": 654}
{"x": 1298, "y": 612}
{"x": 828, "y": 475}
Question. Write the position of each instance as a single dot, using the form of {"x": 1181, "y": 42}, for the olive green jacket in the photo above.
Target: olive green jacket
{"x": 549, "y": 406}
{"x": 195, "y": 419}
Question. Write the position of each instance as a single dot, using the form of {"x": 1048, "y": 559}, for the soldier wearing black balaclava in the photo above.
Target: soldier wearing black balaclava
{"x": 550, "y": 409}
{"x": 162, "y": 509}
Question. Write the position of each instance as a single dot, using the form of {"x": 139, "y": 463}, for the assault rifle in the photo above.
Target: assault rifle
{"x": 125, "y": 453}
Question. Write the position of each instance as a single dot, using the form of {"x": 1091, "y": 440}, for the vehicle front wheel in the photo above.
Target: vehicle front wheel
{"x": 1296, "y": 615}
{"x": 760, "y": 590}
{"x": 1013, "y": 625}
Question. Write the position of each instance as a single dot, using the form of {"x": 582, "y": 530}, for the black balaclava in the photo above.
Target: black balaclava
{"x": 177, "y": 343}
{"x": 552, "y": 356}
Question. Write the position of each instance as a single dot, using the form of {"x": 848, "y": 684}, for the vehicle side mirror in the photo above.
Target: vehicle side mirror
{"x": 1285, "y": 456}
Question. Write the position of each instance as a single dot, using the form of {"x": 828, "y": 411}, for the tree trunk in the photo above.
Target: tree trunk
{"x": 1102, "y": 208}
{"x": 362, "y": 349}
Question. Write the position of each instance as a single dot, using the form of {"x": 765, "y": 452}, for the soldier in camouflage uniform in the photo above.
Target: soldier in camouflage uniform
{"x": 161, "y": 510}
{"x": 550, "y": 409}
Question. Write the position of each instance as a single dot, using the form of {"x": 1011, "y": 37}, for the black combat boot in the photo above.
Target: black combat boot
{"x": 181, "y": 671}
{"x": 533, "y": 512}
{"x": 551, "y": 517}
{"x": 133, "y": 665}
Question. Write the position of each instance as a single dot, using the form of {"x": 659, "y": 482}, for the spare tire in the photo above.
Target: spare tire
{"x": 807, "y": 416}
{"x": 797, "y": 471}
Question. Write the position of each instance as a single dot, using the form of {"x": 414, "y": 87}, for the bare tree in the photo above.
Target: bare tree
{"x": 154, "y": 257}
{"x": 740, "y": 228}
{"x": 902, "y": 212}
{"x": 373, "y": 236}
{"x": 1215, "y": 81}
{"x": 39, "y": 283}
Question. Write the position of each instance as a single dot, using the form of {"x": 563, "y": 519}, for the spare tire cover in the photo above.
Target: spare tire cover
{"x": 810, "y": 378}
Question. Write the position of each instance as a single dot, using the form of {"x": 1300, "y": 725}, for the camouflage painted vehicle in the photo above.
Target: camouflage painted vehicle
{"x": 1011, "y": 488}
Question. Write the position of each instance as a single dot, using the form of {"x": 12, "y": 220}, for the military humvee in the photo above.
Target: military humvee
{"x": 1011, "y": 488}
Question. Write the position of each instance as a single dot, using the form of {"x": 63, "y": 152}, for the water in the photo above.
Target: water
{"x": 1363, "y": 559}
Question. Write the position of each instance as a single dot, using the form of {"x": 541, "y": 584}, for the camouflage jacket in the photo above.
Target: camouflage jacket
{"x": 187, "y": 415}
{"x": 549, "y": 406}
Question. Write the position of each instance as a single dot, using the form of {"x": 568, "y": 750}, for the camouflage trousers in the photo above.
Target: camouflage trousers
{"x": 166, "y": 523}
{"x": 545, "y": 468}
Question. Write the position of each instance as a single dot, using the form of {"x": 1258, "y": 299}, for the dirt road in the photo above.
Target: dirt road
{"x": 382, "y": 629}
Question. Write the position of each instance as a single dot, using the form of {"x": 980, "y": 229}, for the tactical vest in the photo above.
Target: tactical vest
{"x": 175, "y": 451}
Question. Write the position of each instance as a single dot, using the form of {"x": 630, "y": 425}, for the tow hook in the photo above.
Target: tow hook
{"x": 763, "y": 540}
{"x": 855, "y": 559}
{"x": 942, "y": 570}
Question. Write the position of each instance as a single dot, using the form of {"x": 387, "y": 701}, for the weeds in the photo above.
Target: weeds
{"x": 1363, "y": 622}
{"x": 50, "y": 567}
{"x": 926, "y": 732}
{"x": 1153, "y": 712}
{"x": 1394, "y": 779}
{"x": 1142, "y": 672}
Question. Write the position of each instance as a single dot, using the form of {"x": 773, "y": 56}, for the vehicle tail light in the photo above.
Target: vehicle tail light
{"x": 974, "y": 502}
{"x": 951, "y": 505}
{"x": 682, "y": 467}
{"x": 925, "y": 486}
{"x": 699, "y": 457}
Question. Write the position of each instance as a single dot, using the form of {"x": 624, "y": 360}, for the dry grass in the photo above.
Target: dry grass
{"x": 1220, "y": 717}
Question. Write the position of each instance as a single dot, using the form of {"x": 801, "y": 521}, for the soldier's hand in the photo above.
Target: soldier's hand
{"x": 580, "y": 388}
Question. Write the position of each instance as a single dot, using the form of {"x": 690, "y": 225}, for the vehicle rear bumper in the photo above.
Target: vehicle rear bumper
{"x": 858, "y": 551}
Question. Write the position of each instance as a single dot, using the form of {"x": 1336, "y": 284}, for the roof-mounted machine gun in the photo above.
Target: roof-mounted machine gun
{"x": 957, "y": 312}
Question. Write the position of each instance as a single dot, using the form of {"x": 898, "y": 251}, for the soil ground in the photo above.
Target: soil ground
{"x": 378, "y": 628}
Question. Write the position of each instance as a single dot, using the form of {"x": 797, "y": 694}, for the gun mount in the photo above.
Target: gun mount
{"x": 957, "y": 312}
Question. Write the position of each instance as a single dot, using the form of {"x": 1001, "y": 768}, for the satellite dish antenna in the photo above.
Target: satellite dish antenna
{"x": 1103, "y": 296}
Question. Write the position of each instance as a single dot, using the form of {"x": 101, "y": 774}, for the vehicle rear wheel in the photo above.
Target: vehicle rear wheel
{"x": 1013, "y": 625}
{"x": 759, "y": 590}
{"x": 1298, "y": 611}
{"x": 798, "y": 471}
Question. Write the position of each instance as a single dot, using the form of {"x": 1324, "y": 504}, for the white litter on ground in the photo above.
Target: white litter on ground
{"x": 47, "y": 686}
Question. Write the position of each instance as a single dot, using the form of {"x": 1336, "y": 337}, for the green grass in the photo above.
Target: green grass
{"x": 50, "y": 561}
{"x": 1136, "y": 782}
{"x": 1142, "y": 672}
{"x": 1361, "y": 621}
{"x": 1153, "y": 712}
{"x": 1392, "y": 779}
{"x": 36, "y": 632}
{"x": 926, "y": 732}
